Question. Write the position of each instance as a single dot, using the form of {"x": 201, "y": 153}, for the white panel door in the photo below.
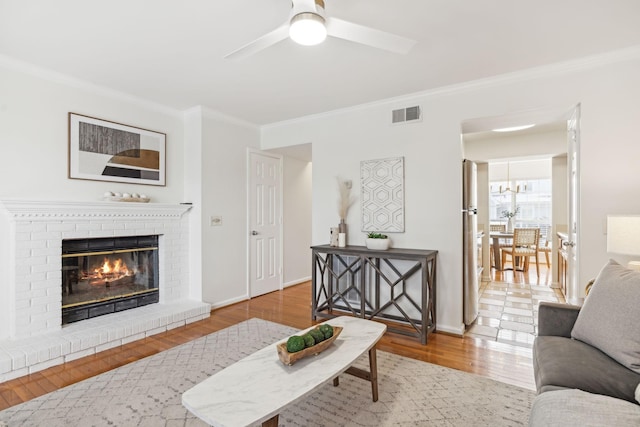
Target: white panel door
{"x": 265, "y": 222}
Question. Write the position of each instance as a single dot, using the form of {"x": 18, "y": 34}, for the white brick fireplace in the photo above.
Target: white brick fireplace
{"x": 31, "y": 333}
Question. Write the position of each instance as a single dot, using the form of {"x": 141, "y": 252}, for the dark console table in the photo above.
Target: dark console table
{"x": 396, "y": 284}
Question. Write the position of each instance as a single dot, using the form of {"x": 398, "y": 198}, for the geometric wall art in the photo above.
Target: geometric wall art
{"x": 382, "y": 202}
{"x": 107, "y": 151}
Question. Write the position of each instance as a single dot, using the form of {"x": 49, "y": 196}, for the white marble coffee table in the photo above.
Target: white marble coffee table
{"x": 256, "y": 388}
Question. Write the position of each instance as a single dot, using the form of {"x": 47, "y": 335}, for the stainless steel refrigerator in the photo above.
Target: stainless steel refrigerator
{"x": 470, "y": 241}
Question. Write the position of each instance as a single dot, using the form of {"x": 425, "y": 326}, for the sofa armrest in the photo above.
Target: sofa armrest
{"x": 556, "y": 319}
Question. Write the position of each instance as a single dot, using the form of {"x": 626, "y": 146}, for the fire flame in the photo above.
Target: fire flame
{"x": 115, "y": 270}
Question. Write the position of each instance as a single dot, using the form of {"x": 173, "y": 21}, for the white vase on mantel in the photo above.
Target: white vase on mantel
{"x": 510, "y": 225}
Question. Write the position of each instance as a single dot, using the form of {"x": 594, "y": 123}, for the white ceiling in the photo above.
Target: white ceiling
{"x": 171, "y": 52}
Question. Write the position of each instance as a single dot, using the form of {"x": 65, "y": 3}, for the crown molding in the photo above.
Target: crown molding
{"x": 551, "y": 70}
{"x": 67, "y": 80}
{"x": 14, "y": 64}
{"x": 217, "y": 115}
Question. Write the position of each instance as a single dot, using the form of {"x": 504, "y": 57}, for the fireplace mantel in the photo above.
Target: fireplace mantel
{"x": 46, "y": 210}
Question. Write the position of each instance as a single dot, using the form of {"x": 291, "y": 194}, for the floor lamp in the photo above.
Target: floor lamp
{"x": 623, "y": 236}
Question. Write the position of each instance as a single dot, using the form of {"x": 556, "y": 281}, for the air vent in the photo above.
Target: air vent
{"x": 410, "y": 114}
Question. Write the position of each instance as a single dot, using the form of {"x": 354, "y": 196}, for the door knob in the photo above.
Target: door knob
{"x": 254, "y": 233}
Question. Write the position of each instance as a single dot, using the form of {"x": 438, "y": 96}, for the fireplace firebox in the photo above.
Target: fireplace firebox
{"x": 107, "y": 275}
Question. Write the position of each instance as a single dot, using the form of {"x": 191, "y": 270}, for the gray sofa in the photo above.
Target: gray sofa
{"x": 560, "y": 362}
{"x": 578, "y": 384}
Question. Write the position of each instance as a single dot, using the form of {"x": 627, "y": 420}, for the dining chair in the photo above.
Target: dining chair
{"x": 546, "y": 247}
{"x": 524, "y": 245}
{"x": 500, "y": 228}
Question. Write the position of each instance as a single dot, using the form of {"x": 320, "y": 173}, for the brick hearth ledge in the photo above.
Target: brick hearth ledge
{"x": 28, "y": 355}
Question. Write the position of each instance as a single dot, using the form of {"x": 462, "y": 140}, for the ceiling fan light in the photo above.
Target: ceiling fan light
{"x": 307, "y": 29}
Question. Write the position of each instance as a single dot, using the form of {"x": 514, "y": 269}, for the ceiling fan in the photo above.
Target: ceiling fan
{"x": 308, "y": 25}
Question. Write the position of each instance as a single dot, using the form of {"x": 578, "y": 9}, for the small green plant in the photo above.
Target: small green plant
{"x": 373, "y": 235}
{"x": 508, "y": 214}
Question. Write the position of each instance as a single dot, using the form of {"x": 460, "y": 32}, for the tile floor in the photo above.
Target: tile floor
{"x": 508, "y": 312}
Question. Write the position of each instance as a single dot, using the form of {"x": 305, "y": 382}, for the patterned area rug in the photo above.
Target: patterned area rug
{"x": 148, "y": 392}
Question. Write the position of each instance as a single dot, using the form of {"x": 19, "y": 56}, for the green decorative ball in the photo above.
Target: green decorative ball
{"x": 317, "y": 335}
{"x": 327, "y": 330}
{"x": 309, "y": 341}
{"x": 295, "y": 344}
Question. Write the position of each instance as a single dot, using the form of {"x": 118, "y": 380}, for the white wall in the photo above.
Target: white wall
{"x": 193, "y": 194}
{"x": 224, "y": 193}
{"x": 608, "y": 90}
{"x": 297, "y": 190}
{"x": 34, "y": 136}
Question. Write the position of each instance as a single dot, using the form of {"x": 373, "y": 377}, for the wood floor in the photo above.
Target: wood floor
{"x": 502, "y": 362}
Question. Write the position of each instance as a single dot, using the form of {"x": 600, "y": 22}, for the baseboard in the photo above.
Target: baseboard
{"x": 246, "y": 297}
{"x": 296, "y": 282}
{"x": 229, "y": 301}
{"x": 459, "y": 331}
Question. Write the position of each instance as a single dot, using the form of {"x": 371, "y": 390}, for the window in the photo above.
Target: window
{"x": 534, "y": 201}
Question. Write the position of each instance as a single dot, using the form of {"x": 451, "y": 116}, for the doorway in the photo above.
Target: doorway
{"x": 295, "y": 226}
{"x": 508, "y": 301}
{"x": 297, "y": 201}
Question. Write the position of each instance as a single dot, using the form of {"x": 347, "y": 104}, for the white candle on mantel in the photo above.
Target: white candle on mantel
{"x": 342, "y": 240}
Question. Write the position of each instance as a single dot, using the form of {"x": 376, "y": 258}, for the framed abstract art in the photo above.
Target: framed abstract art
{"x": 102, "y": 150}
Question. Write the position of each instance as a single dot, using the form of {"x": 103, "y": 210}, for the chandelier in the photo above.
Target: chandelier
{"x": 508, "y": 188}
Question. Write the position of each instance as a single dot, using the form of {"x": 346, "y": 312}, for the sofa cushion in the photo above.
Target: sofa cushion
{"x": 567, "y": 408}
{"x": 608, "y": 319}
{"x": 561, "y": 362}
{"x": 638, "y": 393}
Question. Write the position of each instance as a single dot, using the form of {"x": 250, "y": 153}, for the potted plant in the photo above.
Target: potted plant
{"x": 509, "y": 215}
{"x": 377, "y": 241}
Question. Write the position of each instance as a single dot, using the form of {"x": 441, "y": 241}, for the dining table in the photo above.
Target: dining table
{"x": 496, "y": 237}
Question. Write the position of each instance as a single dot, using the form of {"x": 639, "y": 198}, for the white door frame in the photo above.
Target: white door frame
{"x": 250, "y": 152}
{"x": 572, "y": 246}
{"x": 571, "y": 118}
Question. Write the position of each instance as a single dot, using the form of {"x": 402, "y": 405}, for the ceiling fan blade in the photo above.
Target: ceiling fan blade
{"x": 368, "y": 36}
{"x": 269, "y": 39}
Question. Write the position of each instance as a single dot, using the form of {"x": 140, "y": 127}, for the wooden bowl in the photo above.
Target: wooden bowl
{"x": 291, "y": 358}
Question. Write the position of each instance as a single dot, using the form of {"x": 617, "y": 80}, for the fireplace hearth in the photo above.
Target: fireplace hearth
{"x": 107, "y": 275}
